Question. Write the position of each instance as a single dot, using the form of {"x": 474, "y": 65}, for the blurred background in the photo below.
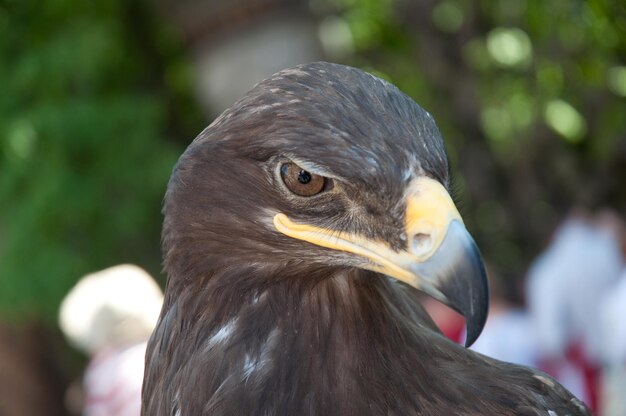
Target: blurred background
{"x": 98, "y": 99}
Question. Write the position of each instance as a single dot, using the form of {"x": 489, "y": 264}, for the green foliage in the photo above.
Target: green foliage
{"x": 529, "y": 96}
{"x": 91, "y": 94}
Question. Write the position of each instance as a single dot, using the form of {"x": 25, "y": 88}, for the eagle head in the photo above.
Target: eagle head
{"x": 319, "y": 169}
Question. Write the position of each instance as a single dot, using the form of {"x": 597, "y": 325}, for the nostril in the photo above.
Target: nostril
{"x": 421, "y": 243}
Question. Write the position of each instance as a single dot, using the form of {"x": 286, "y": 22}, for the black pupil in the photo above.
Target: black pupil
{"x": 304, "y": 177}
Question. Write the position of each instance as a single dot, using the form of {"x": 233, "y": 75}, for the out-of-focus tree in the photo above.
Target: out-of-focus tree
{"x": 530, "y": 97}
{"x": 94, "y": 96}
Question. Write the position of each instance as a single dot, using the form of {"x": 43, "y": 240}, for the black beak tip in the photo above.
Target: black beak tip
{"x": 477, "y": 307}
{"x": 465, "y": 284}
{"x": 474, "y": 324}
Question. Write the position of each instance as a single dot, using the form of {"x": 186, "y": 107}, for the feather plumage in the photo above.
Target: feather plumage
{"x": 257, "y": 323}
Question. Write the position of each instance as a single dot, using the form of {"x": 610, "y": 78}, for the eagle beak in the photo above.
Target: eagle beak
{"x": 441, "y": 258}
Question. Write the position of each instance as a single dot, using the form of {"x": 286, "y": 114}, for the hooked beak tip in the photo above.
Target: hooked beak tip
{"x": 457, "y": 272}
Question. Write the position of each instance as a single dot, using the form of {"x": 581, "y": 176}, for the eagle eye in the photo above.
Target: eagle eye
{"x": 302, "y": 182}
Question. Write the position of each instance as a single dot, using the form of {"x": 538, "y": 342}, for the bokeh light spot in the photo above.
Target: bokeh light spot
{"x": 336, "y": 37}
{"x": 510, "y": 47}
{"x": 616, "y": 80}
{"x": 22, "y": 139}
{"x": 563, "y": 118}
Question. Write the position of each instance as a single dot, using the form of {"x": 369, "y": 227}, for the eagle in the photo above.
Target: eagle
{"x": 301, "y": 229}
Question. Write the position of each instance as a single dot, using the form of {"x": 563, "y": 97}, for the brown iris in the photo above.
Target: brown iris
{"x": 300, "y": 181}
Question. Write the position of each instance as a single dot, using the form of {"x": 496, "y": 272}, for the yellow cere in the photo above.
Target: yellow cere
{"x": 429, "y": 211}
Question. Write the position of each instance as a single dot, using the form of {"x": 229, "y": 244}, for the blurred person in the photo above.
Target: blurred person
{"x": 109, "y": 315}
{"x": 612, "y": 314}
{"x": 565, "y": 288}
{"x": 613, "y": 327}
